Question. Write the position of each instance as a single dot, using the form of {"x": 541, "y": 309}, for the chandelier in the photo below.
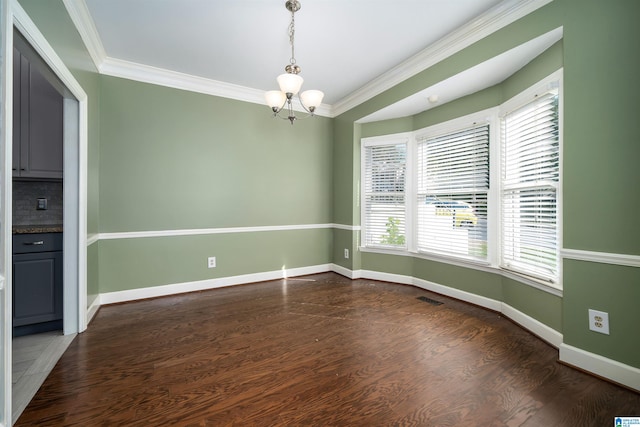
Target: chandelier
{"x": 290, "y": 82}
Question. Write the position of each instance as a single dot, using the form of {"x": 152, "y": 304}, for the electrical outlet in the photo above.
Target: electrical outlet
{"x": 41, "y": 204}
{"x": 211, "y": 262}
{"x": 346, "y": 253}
{"x": 599, "y": 321}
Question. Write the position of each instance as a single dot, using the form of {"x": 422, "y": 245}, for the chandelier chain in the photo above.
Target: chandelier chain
{"x": 292, "y": 33}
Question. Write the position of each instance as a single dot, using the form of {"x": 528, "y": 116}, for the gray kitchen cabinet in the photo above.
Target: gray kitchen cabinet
{"x": 37, "y": 117}
{"x": 37, "y": 283}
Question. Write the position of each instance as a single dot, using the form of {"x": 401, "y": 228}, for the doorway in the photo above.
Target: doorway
{"x": 74, "y": 191}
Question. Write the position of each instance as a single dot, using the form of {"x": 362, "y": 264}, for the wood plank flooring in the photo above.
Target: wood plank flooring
{"x": 320, "y": 350}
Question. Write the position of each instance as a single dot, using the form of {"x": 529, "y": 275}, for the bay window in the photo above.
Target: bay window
{"x": 482, "y": 189}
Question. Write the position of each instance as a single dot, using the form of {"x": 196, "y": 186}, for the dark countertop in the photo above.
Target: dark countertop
{"x": 32, "y": 229}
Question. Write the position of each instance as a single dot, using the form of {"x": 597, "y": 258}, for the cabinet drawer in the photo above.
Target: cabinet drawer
{"x": 39, "y": 242}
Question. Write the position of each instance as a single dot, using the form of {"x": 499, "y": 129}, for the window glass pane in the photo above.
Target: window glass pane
{"x": 529, "y": 231}
{"x": 453, "y": 224}
{"x": 530, "y": 175}
{"x": 453, "y": 184}
{"x": 384, "y": 195}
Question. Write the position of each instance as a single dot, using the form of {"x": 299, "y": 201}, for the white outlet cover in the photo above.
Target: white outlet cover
{"x": 211, "y": 262}
{"x": 599, "y": 321}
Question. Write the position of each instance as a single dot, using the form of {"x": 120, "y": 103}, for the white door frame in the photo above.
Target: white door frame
{"x": 6, "y": 120}
{"x": 75, "y": 189}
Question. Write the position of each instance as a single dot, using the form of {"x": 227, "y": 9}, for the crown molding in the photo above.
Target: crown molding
{"x": 81, "y": 18}
{"x": 489, "y": 22}
{"x": 494, "y": 19}
{"x": 163, "y": 77}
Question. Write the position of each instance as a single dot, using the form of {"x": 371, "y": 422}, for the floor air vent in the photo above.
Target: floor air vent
{"x": 430, "y": 301}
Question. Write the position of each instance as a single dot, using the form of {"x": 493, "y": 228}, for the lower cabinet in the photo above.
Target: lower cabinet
{"x": 37, "y": 284}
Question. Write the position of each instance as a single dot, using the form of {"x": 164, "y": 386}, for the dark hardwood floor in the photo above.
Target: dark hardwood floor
{"x": 320, "y": 350}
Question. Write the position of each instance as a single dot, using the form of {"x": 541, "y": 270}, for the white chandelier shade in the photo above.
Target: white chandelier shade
{"x": 275, "y": 98}
{"x": 290, "y": 83}
{"x": 311, "y": 98}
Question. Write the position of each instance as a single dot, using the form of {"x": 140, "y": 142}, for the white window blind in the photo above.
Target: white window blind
{"x": 530, "y": 176}
{"x": 452, "y": 191}
{"x": 384, "y": 195}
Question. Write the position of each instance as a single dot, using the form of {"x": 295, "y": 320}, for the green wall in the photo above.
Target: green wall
{"x": 601, "y": 173}
{"x": 172, "y": 159}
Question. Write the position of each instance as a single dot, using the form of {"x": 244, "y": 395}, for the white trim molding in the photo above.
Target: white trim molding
{"x": 79, "y": 13}
{"x": 534, "y": 326}
{"x": 485, "y": 302}
{"x": 601, "y": 257}
{"x": 204, "y": 231}
{"x": 200, "y": 285}
{"x": 92, "y": 238}
{"x": 346, "y": 227}
{"x": 613, "y": 370}
{"x": 344, "y": 271}
{"x": 93, "y": 308}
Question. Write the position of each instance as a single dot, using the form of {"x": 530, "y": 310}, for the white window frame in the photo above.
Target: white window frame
{"x": 386, "y": 140}
{"x": 484, "y": 117}
{"x": 553, "y": 81}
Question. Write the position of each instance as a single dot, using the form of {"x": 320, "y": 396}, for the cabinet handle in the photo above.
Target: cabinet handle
{"x": 39, "y": 242}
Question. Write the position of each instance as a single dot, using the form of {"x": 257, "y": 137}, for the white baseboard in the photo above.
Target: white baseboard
{"x": 200, "y": 285}
{"x": 534, "y": 326}
{"x": 601, "y": 366}
{"x": 343, "y": 271}
{"x": 385, "y": 277}
{"x": 485, "y": 302}
{"x": 93, "y": 308}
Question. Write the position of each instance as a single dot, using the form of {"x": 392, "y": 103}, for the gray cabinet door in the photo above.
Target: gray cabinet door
{"x": 38, "y": 120}
{"x": 37, "y": 288}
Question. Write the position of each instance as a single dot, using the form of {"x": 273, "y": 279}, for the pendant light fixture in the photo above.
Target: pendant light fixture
{"x": 290, "y": 82}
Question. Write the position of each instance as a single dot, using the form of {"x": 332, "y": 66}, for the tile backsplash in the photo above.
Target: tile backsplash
{"x": 25, "y": 203}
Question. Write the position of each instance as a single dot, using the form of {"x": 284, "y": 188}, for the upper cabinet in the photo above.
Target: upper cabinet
{"x": 37, "y": 117}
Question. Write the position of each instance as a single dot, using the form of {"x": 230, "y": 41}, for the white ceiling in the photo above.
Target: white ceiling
{"x": 341, "y": 45}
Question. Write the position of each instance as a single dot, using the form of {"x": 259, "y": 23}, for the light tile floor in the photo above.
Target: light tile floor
{"x": 34, "y": 356}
